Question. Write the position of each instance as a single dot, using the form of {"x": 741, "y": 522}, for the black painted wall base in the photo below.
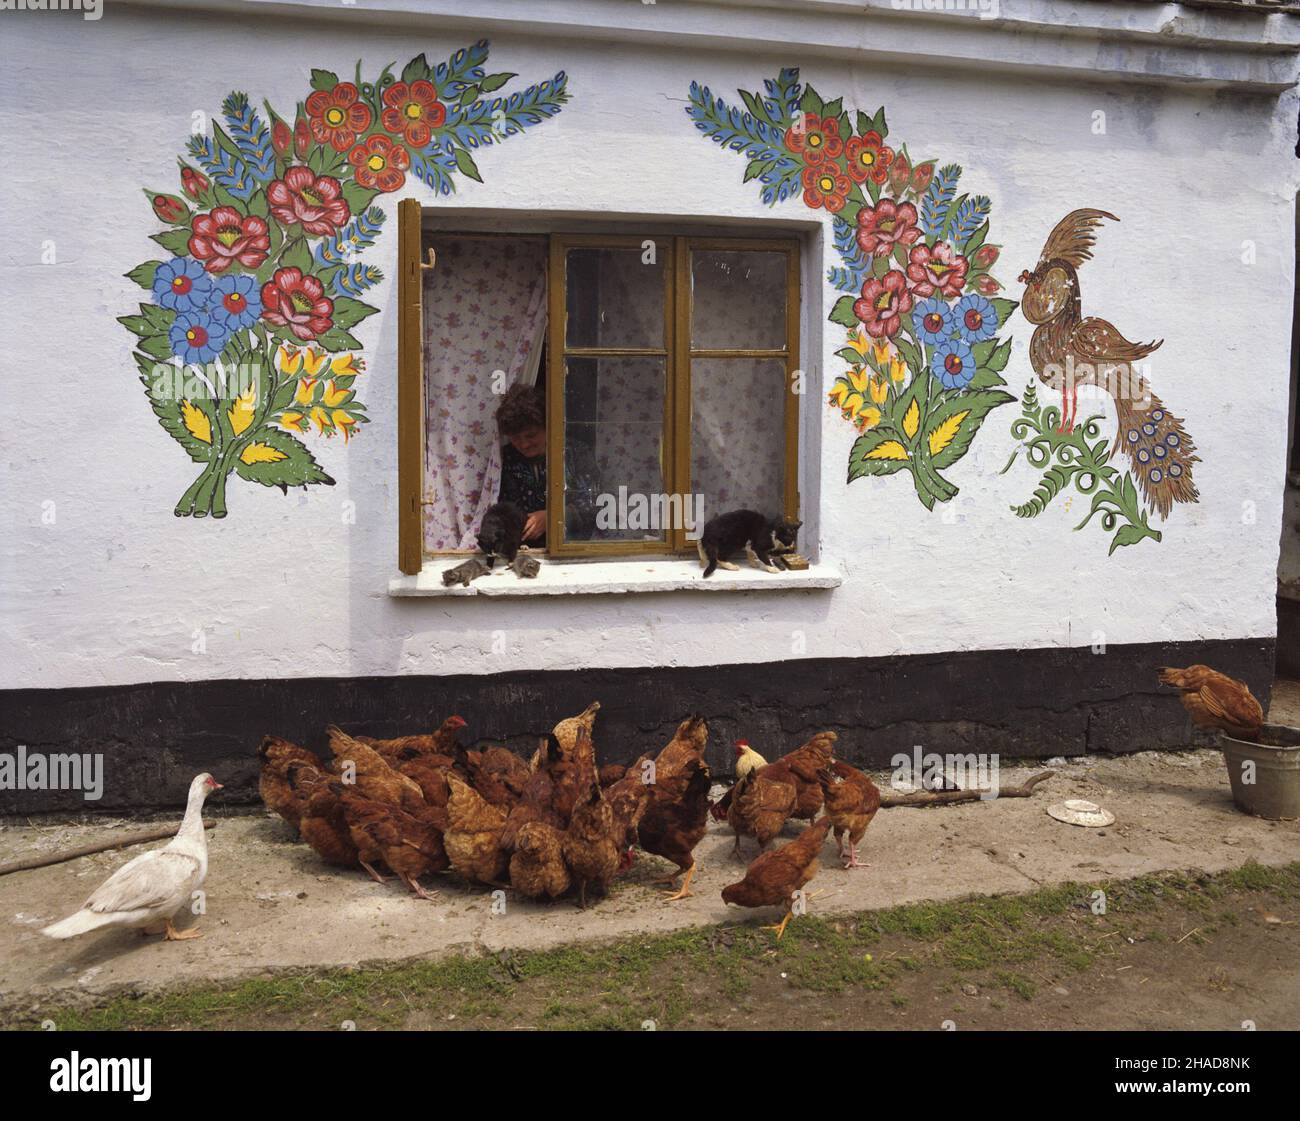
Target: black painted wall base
{"x": 1028, "y": 703}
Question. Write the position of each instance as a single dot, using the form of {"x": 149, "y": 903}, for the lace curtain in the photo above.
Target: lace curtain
{"x": 484, "y": 311}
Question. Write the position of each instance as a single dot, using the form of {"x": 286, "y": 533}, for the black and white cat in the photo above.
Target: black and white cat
{"x": 759, "y": 535}
{"x": 501, "y": 532}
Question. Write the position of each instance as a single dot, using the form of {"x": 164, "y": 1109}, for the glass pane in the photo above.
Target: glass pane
{"x": 613, "y": 448}
{"x": 614, "y": 299}
{"x": 738, "y": 434}
{"x": 738, "y": 300}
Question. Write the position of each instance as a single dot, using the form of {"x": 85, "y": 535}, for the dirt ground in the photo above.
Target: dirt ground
{"x": 271, "y": 905}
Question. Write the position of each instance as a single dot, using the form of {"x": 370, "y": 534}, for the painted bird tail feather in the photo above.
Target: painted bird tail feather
{"x": 1159, "y": 449}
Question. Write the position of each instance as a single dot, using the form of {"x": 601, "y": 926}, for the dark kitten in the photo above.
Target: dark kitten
{"x": 501, "y": 532}
{"x": 759, "y": 535}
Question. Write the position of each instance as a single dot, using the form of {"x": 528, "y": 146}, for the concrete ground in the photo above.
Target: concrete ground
{"x": 271, "y": 904}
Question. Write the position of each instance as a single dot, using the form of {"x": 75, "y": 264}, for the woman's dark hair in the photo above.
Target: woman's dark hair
{"x": 520, "y": 410}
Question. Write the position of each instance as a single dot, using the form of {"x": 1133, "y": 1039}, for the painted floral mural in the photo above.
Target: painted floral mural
{"x": 921, "y": 310}
{"x": 246, "y": 341}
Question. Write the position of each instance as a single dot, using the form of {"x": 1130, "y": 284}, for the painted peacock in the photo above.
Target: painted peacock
{"x": 1068, "y": 350}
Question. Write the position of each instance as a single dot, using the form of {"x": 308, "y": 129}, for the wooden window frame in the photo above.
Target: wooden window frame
{"x": 679, "y": 353}
{"x": 675, "y": 253}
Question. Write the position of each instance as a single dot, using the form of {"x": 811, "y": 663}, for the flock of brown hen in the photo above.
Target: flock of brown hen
{"x": 559, "y": 822}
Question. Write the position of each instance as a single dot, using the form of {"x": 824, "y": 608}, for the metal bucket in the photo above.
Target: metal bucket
{"x": 1274, "y": 765}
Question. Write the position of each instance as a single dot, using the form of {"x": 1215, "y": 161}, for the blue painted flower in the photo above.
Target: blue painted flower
{"x": 953, "y": 364}
{"x": 933, "y": 321}
{"x": 236, "y": 302}
{"x": 976, "y": 318}
{"x": 197, "y": 337}
{"x": 181, "y": 284}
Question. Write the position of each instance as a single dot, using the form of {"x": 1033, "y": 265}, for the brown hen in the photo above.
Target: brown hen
{"x": 851, "y": 801}
{"x": 775, "y": 876}
{"x": 1216, "y": 700}
{"x": 473, "y": 835}
{"x": 537, "y": 868}
{"x": 759, "y": 807}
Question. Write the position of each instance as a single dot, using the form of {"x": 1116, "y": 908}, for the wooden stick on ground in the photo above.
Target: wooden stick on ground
{"x": 90, "y": 850}
{"x": 948, "y": 797}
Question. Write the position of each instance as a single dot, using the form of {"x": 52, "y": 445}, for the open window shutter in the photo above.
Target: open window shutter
{"x": 410, "y": 389}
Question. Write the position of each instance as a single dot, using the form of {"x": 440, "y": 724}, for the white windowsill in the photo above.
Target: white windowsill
{"x": 612, "y": 578}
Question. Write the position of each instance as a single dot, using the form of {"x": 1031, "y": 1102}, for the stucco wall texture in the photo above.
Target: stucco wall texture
{"x": 104, "y": 586}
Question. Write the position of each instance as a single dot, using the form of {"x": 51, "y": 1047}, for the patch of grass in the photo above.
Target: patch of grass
{"x": 671, "y": 979}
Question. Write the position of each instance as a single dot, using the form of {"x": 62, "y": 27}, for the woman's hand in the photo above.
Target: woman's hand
{"x": 535, "y": 525}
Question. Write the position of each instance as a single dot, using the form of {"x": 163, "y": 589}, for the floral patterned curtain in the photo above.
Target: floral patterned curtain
{"x": 484, "y": 310}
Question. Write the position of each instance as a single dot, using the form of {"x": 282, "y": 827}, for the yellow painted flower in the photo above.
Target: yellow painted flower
{"x": 868, "y": 418}
{"x": 345, "y": 423}
{"x": 880, "y": 351}
{"x": 860, "y": 341}
{"x": 290, "y": 358}
{"x": 333, "y": 396}
{"x": 858, "y": 378}
{"x": 346, "y": 364}
{"x": 897, "y": 368}
{"x": 321, "y": 419}
{"x": 838, "y": 392}
{"x": 305, "y": 392}
{"x": 879, "y": 390}
{"x": 313, "y": 361}
{"x": 295, "y": 422}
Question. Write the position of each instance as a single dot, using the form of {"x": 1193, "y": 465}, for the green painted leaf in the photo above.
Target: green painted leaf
{"x": 325, "y": 79}
{"x": 296, "y": 255}
{"x": 842, "y": 313}
{"x": 165, "y": 385}
{"x": 349, "y": 312}
{"x": 175, "y": 242}
{"x": 811, "y": 101}
{"x": 977, "y": 405}
{"x": 358, "y": 197}
{"x": 336, "y": 339}
{"x": 298, "y": 468}
{"x": 861, "y": 462}
{"x": 416, "y": 70}
{"x": 495, "y": 82}
{"x": 143, "y": 274}
{"x": 466, "y": 163}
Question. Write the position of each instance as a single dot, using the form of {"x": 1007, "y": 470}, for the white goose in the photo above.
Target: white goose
{"x": 149, "y": 890}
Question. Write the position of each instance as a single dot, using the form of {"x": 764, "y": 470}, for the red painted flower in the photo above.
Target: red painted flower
{"x": 938, "y": 269}
{"x": 301, "y": 137}
{"x": 413, "y": 111}
{"x": 815, "y": 139}
{"x": 298, "y": 302}
{"x": 281, "y": 137}
{"x": 302, "y": 197}
{"x": 224, "y": 237}
{"x": 884, "y": 303}
{"x": 985, "y": 255}
{"x": 988, "y": 286}
{"x": 169, "y": 208}
{"x": 885, "y": 225}
{"x": 378, "y": 162}
{"x": 900, "y": 171}
{"x": 868, "y": 157}
{"x": 193, "y": 184}
{"x": 337, "y": 116}
{"x": 921, "y": 177}
{"x": 826, "y": 185}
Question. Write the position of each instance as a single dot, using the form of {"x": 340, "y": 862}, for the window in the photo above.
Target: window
{"x": 666, "y": 365}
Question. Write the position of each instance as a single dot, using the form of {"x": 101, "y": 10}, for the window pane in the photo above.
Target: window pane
{"x": 613, "y": 299}
{"x": 738, "y": 300}
{"x": 613, "y": 437}
{"x": 738, "y": 434}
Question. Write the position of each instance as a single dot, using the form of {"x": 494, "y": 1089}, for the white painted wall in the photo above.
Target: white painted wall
{"x": 115, "y": 590}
